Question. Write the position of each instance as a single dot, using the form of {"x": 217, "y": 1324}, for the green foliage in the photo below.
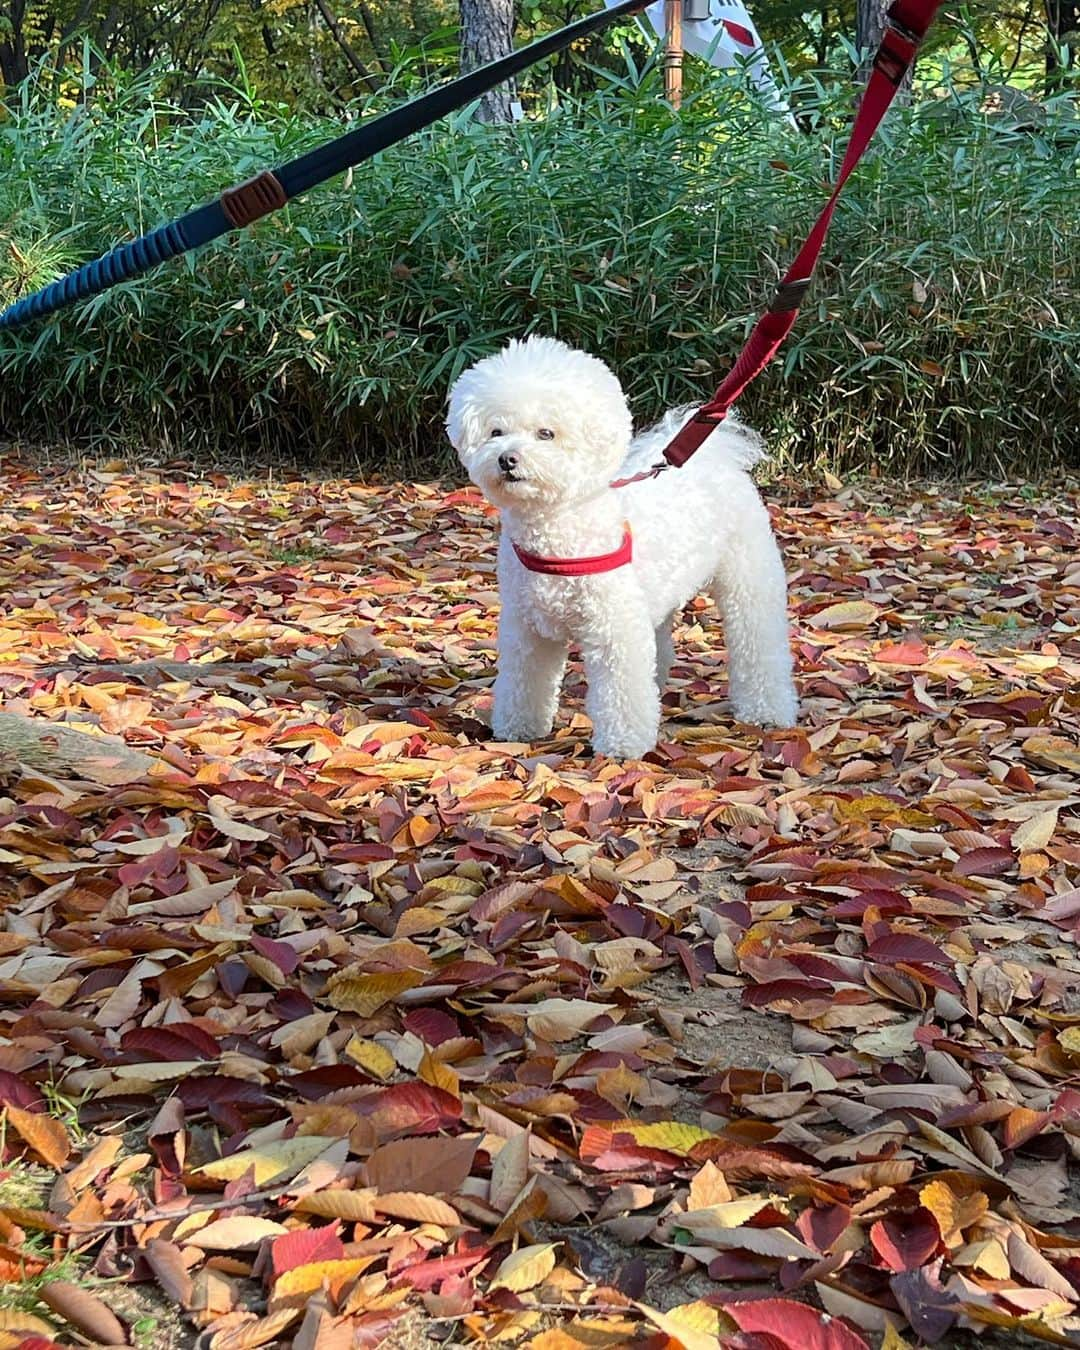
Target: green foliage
{"x": 943, "y": 331}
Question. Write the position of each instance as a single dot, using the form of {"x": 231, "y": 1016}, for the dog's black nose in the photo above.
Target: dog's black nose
{"x": 508, "y": 462}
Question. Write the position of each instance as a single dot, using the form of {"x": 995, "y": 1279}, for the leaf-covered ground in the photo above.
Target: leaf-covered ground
{"x": 340, "y": 1026}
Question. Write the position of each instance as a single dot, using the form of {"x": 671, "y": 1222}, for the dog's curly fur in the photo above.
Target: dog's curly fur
{"x": 542, "y": 429}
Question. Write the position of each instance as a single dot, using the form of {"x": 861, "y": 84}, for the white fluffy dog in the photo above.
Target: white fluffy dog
{"x": 542, "y": 430}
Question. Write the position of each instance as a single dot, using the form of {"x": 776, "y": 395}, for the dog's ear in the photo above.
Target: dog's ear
{"x": 463, "y": 421}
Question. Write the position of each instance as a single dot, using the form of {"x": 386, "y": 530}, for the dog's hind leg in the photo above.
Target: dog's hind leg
{"x": 527, "y": 686}
{"x": 751, "y": 590}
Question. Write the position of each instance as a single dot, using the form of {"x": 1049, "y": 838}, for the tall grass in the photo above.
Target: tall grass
{"x": 943, "y": 332}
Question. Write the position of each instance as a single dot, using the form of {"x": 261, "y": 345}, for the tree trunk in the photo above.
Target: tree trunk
{"x": 14, "y": 66}
{"x": 869, "y": 30}
{"x": 487, "y": 32}
{"x": 339, "y": 36}
{"x": 1062, "y": 20}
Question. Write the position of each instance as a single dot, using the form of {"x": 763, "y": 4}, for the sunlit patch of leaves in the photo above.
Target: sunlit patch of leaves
{"x": 333, "y": 1018}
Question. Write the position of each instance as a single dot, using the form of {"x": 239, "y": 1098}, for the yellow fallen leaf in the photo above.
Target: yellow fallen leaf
{"x": 694, "y": 1326}
{"x": 304, "y": 1280}
{"x": 23, "y": 1324}
{"x": 235, "y": 1233}
{"x": 953, "y": 1213}
{"x": 989, "y": 1256}
{"x": 352, "y": 1206}
{"x": 1069, "y": 1040}
{"x": 1053, "y": 751}
{"x": 414, "y": 1205}
{"x": 847, "y": 614}
{"x": 419, "y": 919}
{"x": 353, "y": 990}
{"x": 671, "y": 1135}
{"x": 439, "y": 1075}
{"x": 525, "y": 1268}
{"x": 372, "y": 1056}
{"x": 892, "y": 1340}
{"x": 271, "y": 1162}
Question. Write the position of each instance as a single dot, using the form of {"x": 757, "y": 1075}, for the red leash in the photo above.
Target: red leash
{"x": 907, "y": 23}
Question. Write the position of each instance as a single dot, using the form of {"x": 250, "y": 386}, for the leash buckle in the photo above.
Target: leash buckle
{"x": 789, "y": 295}
{"x": 899, "y": 43}
{"x": 893, "y": 20}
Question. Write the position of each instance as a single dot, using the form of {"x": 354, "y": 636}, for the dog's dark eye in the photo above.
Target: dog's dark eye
{"x": 497, "y": 431}
{"x": 545, "y": 434}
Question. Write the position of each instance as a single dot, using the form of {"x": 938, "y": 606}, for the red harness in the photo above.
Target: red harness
{"x": 578, "y": 567}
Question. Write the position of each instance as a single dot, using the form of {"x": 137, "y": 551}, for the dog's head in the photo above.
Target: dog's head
{"x": 539, "y": 425}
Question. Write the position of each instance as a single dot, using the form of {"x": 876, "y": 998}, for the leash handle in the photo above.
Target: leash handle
{"x": 271, "y": 189}
{"x": 907, "y": 22}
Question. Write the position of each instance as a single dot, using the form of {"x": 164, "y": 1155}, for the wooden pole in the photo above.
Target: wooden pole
{"x": 673, "y": 52}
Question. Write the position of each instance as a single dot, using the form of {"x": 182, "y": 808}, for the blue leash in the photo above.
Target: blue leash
{"x": 271, "y": 189}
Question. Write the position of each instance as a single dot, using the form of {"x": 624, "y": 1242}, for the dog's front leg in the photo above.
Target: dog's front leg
{"x": 622, "y": 697}
{"x": 528, "y": 682}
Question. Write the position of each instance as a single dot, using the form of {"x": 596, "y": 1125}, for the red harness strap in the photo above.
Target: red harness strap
{"x": 578, "y": 567}
{"x": 907, "y": 23}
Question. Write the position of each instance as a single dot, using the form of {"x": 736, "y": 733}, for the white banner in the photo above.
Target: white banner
{"x": 727, "y": 38}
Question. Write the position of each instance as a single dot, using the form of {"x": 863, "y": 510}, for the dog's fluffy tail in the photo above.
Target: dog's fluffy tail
{"x": 739, "y": 445}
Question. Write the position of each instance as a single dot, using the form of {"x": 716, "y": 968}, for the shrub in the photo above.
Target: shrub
{"x": 943, "y": 332}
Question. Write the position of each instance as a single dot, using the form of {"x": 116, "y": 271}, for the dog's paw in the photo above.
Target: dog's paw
{"x": 780, "y": 709}
{"x": 623, "y": 747}
{"x": 513, "y": 732}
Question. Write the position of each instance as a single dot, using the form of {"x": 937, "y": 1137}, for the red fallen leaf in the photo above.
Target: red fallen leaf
{"x": 906, "y": 947}
{"x": 984, "y": 862}
{"x": 819, "y": 1228}
{"x": 16, "y": 1091}
{"x": 910, "y": 652}
{"x": 216, "y": 1089}
{"x": 794, "y": 1325}
{"x": 887, "y": 903}
{"x": 174, "y": 1042}
{"x": 280, "y": 953}
{"x": 740, "y": 1268}
{"x": 410, "y": 1108}
{"x": 783, "y": 991}
{"x": 907, "y": 1241}
{"x": 432, "y": 1025}
{"x": 1015, "y": 710}
{"x": 315, "y": 1083}
{"x": 306, "y": 1246}
{"x": 428, "y": 1274}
